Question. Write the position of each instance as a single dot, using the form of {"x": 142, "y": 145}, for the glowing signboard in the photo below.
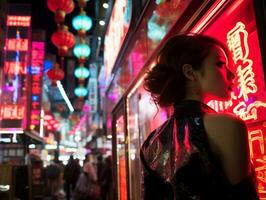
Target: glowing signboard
{"x": 17, "y": 44}
{"x": 93, "y": 89}
{"x": 11, "y": 67}
{"x": 12, "y": 111}
{"x": 14, "y": 96}
{"x": 236, "y": 27}
{"x": 14, "y": 20}
{"x": 242, "y": 103}
{"x": 237, "y": 40}
{"x": 36, "y": 72}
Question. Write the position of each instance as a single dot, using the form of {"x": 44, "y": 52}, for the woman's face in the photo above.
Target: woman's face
{"x": 214, "y": 77}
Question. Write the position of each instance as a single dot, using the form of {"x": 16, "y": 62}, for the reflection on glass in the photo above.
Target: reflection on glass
{"x": 143, "y": 117}
{"x": 157, "y": 21}
{"x": 121, "y": 159}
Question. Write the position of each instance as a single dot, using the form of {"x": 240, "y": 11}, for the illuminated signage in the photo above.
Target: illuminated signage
{"x": 116, "y": 32}
{"x": 237, "y": 40}
{"x": 15, "y": 84}
{"x": 93, "y": 88}
{"x": 12, "y": 111}
{"x": 11, "y": 67}
{"x": 13, "y": 20}
{"x": 17, "y": 44}
{"x": 93, "y": 95}
{"x": 257, "y": 154}
{"x": 248, "y": 99}
{"x": 36, "y": 72}
{"x": 243, "y": 102}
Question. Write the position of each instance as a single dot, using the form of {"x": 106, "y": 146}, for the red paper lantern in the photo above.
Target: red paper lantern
{"x": 63, "y": 40}
{"x": 55, "y": 74}
{"x": 60, "y": 8}
{"x": 82, "y": 3}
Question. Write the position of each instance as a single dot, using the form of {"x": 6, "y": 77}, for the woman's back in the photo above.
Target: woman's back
{"x": 179, "y": 160}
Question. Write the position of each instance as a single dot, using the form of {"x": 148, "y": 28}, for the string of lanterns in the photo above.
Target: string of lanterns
{"x": 62, "y": 38}
{"x": 81, "y": 23}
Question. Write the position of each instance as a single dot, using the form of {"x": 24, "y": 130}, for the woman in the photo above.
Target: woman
{"x": 86, "y": 186}
{"x": 197, "y": 153}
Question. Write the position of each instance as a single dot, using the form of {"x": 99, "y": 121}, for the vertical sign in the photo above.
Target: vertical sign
{"x": 93, "y": 89}
{"x": 36, "y": 72}
{"x": 237, "y": 28}
{"x": 13, "y": 100}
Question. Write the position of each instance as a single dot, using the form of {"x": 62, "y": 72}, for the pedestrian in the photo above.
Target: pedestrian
{"x": 105, "y": 178}
{"x": 54, "y": 182}
{"x": 71, "y": 174}
{"x": 87, "y": 187}
{"x": 87, "y": 158}
{"x": 197, "y": 153}
{"x": 99, "y": 165}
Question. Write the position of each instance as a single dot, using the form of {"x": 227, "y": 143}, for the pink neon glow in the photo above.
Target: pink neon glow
{"x": 115, "y": 34}
{"x": 37, "y": 59}
{"x": 79, "y": 125}
{"x": 48, "y": 117}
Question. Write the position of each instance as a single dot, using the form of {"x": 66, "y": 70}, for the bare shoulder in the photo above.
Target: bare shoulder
{"x": 227, "y": 136}
{"x": 225, "y": 129}
{"x": 224, "y": 123}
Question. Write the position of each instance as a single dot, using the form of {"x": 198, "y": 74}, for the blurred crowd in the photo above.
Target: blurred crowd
{"x": 91, "y": 181}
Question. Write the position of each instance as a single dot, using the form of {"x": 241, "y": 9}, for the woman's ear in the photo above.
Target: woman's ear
{"x": 188, "y": 72}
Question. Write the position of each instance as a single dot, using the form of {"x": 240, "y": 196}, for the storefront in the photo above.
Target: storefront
{"x": 240, "y": 25}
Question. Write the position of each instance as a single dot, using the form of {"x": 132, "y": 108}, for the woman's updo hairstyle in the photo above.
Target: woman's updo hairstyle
{"x": 166, "y": 81}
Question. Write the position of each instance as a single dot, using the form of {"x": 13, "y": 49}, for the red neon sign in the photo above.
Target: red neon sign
{"x": 15, "y": 67}
{"x": 243, "y": 103}
{"x": 13, "y": 20}
{"x": 12, "y": 111}
{"x": 237, "y": 27}
{"x": 17, "y": 44}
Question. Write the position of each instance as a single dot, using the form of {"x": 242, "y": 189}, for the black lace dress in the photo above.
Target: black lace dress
{"x": 178, "y": 163}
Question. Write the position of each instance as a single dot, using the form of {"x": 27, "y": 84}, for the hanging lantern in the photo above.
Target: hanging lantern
{"x": 55, "y": 74}
{"x": 82, "y": 3}
{"x": 82, "y": 51}
{"x": 81, "y": 72}
{"x": 82, "y": 23}
{"x": 81, "y": 91}
{"x": 63, "y": 40}
{"x": 60, "y": 8}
